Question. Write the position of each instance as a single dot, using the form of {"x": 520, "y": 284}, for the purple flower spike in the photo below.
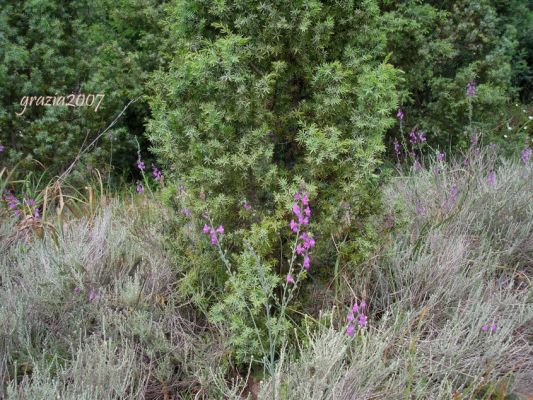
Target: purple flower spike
{"x": 206, "y": 228}
{"x": 400, "y": 114}
{"x": 397, "y": 147}
{"x": 526, "y": 153}
{"x": 363, "y": 306}
{"x": 350, "y": 317}
{"x": 307, "y": 263}
{"x": 362, "y": 320}
{"x": 350, "y": 330}
{"x": 422, "y": 136}
{"x": 491, "y": 179}
{"x": 471, "y": 89}
{"x": 296, "y": 210}
{"x": 294, "y": 226}
{"x": 493, "y": 327}
{"x": 412, "y": 137}
{"x": 485, "y": 328}
{"x": 220, "y": 229}
{"x": 140, "y": 165}
{"x": 290, "y": 279}
{"x": 305, "y": 200}
{"x": 2, "y": 148}
{"x": 355, "y": 308}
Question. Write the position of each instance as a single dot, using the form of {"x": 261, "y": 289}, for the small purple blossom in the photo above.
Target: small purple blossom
{"x": 77, "y": 290}
{"x": 247, "y": 206}
{"x": 471, "y": 88}
{"x": 400, "y": 114}
{"x": 421, "y": 136}
{"x": 355, "y": 308}
{"x": 485, "y": 328}
{"x": 441, "y": 156}
{"x": 417, "y": 166}
{"x": 307, "y": 262}
{"x": 140, "y": 165}
{"x": 2, "y": 148}
{"x": 220, "y": 229}
{"x": 397, "y": 147}
{"x": 526, "y": 153}
{"x": 93, "y": 295}
{"x": 491, "y": 178}
{"x": 206, "y": 228}
{"x": 156, "y": 173}
{"x": 290, "y": 279}
{"x": 186, "y": 212}
{"x": 294, "y": 226}
{"x": 140, "y": 188}
{"x": 362, "y": 320}
{"x": 350, "y": 330}
{"x": 413, "y": 137}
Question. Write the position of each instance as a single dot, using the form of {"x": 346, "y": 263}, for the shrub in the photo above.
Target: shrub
{"x": 255, "y": 106}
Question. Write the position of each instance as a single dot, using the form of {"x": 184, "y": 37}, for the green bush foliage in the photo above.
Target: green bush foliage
{"x": 261, "y": 99}
{"x": 442, "y": 46}
{"x": 50, "y": 48}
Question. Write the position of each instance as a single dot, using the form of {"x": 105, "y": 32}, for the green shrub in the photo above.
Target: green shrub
{"x": 51, "y": 48}
{"x": 260, "y": 100}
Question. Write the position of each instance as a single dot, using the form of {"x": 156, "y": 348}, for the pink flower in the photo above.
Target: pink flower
{"x": 294, "y": 226}
{"x": 350, "y": 330}
{"x": 307, "y": 262}
{"x": 290, "y": 279}
{"x": 355, "y": 308}
{"x": 140, "y": 165}
{"x": 485, "y": 328}
{"x": 296, "y": 210}
{"x": 307, "y": 211}
{"x": 299, "y": 249}
{"x": 362, "y": 320}
{"x": 363, "y": 306}
{"x": 206, "y": 228}
{"x": 350, "y": 317}
{"x": 220, "y": 229}
{"x": 296, "y": 196}
{"x": 140, "y": 188}
{"x": 305, "y": 200}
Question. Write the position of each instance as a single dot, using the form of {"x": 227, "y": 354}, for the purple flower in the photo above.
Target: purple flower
{"x": 350, "y": 330}
{"x": 412, "y": 137}
{"x": 350, "y": 317}
{"x": 417, "y": 166}
{"x": 441, "y": 156}
{"x": 307, "y": 211}
{"x": 471, "y": 89}
{"x": 140, "y": 188}
{"x": 399, "y": 114}
{"x": 156, "y": 173}
{"x": 363, "y": 306}
{"x": 421, "y": 136}
{"x": 213, "y": 235}
{"x": 206, "y": 228}
{"x": 294, "y": 226}
{"x": 247, "y": 206}
{"x": 355, "y": 308}
{"x": 299, "y": 249}
{"x": 186, "y": 212}
{"x": 491, "y": 179}
{"x": 220, "y": 229}
{"x": 305, "y": 200}
{"x": 296, "y": 196}
{"x": 485, "y": 328}
{"x": 290, "y": 279}
{"x": 526, "y": 153}
{"x": 493, "y": 327}
{"x": 296, "y": 210}
{"x": 2, "y": 148}
{"x": 307, "y": 262}
{"x": 362, "y": 320}
{"x": 140, "y": 165}
{"x": 397, "y": 147}
{"x": 93, "y": 295}
{"x": 77, "y": 290}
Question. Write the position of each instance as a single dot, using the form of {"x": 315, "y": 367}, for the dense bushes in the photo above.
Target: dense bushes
{"x": 51, "y": 48}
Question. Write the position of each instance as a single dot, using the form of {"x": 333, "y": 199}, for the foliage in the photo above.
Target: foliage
{"x": 255, "y": 106}
{"x": 442, "y": 46}
{"x": 51, "y": 48}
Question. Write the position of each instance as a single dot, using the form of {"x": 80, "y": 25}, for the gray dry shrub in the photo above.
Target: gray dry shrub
{"x": 447, "y": 269}
{"x": 98, "y": 306}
